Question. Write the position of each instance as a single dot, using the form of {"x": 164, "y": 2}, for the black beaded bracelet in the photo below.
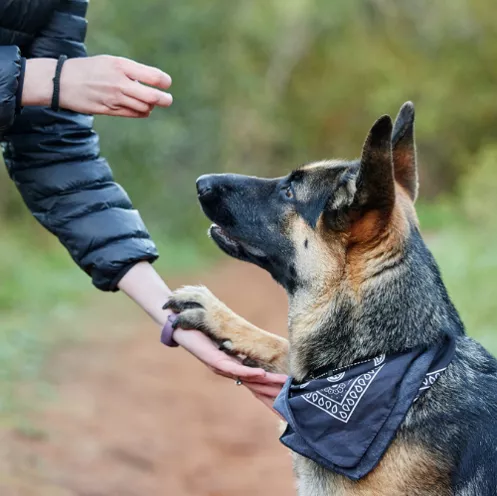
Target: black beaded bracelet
{"x": 56, "y": 83}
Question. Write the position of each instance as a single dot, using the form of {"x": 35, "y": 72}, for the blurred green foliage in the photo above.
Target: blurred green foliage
{"x": 263, "y": 86}
{"x": 259, "y": 88}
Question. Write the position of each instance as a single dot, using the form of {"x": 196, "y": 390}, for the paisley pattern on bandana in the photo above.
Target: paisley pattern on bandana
{"x": 345, "y": 419}
{"x": 340, "y": 400}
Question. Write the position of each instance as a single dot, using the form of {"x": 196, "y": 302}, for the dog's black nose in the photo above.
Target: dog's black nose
{"x": 205, "y": 185}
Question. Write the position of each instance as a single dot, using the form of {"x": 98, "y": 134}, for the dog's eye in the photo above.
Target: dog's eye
{"x": 288, "y": 192}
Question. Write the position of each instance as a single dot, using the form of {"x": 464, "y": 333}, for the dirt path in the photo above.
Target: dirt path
{"x": 133, "y": 418}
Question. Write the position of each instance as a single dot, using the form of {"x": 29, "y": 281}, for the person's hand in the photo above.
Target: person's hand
{"x": 113, "y": 86}
{"x": 149, "y": 291}
{"x": 264, "y": 385}
{"x": 98, "y": 85}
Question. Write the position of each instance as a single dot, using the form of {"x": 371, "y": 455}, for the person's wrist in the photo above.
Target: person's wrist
{"x": 142, "y": 284}
{"x": 70, "y": 87}
{"x": 38, "y": 84}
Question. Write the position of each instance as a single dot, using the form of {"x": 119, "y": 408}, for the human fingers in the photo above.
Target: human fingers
{"x": 151, "y": 96}
{"x": 135, "y": 105}
{"x": 146, "y": 74}
{"x": 235, "y": 370}
{"x": 265, "y": 389}
{"x": 271, "y": 378}
{"x": 125, "y": 112}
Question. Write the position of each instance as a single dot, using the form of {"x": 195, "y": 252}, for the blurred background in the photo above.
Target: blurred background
{"x": 90, "y": 403}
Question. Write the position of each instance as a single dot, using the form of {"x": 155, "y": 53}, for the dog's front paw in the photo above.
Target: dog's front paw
{"x": 196, "y": 307}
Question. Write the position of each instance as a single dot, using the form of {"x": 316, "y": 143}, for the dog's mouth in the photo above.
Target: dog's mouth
{"x": 228, "y": 244}
{"x": 234, "y": 247}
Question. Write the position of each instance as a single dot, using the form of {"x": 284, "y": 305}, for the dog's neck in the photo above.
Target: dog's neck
{"x": 406, "y": 307}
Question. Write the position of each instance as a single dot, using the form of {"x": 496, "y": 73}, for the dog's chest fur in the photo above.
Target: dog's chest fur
{"x": 406, "y": 469}
{"x": 423, "y": 459}
{"x": 403, "y": 471}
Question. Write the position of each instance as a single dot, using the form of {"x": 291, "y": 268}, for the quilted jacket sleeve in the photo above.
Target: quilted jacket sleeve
{"x": 10, "y": 67}
{"x": 54, "y": 159}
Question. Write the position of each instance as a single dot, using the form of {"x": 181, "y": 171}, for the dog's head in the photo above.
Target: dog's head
{"x": 326, "y": 221}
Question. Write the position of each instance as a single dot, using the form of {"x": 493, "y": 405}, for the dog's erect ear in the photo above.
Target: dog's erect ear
{"x": 404, "y": 150}
{"x": 375, "y": 180}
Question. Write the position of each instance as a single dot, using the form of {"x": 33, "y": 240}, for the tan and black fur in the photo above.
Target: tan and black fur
{"x": 342, "y": 237}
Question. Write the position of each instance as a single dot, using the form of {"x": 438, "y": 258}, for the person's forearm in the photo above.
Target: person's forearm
{"x": 38, "y": 84}
{"x": 144, "y": 286}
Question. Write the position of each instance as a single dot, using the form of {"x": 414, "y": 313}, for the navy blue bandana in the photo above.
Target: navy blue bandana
{"x": 345, "y": 419}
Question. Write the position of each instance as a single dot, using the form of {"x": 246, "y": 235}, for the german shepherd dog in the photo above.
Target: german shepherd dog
{"x": 342, "y": 238}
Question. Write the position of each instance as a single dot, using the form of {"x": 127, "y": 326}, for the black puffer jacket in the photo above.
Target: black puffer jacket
{"x": 53, "y": 157}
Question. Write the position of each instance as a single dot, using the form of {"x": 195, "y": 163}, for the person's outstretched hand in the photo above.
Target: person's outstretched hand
{"x": 264, "y": 385}
{"x": 102, "y": 84}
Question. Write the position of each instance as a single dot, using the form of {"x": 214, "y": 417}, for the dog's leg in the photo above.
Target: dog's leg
{"x": 199, "y": 309}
